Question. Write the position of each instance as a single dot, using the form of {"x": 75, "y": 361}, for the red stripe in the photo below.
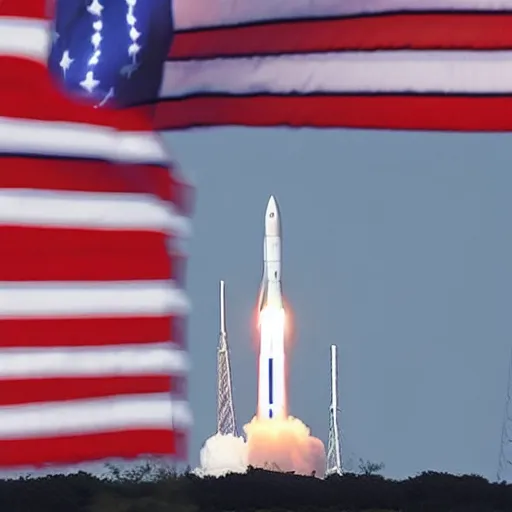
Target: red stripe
{"x": 399, "y": 31}
{"x": 45, "y": 254}
{"x": 139, "y": 264}
{"x": 37, "y": 9}
{"x": 88, "y": 176}
{"x": 77, "y": 239}
{"x": 91, "y": 332}
{"x": 91, "y": 447}
{"x": 446, "y": 113}
{"x": 25, "y": 391}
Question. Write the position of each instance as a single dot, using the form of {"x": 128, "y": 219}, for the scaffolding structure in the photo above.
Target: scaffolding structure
{"x": 226, "y": 423}
{"x": 334, "y": 464}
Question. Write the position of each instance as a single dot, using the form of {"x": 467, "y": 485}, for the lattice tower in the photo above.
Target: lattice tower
{"x": 333, "y": 446}
{"x": 226, "y": 423}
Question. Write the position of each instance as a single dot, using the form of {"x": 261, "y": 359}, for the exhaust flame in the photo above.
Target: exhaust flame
{"x": 284, "y": 445}
{"x": 272, "y": 319}
{"x": 272, "y": 397}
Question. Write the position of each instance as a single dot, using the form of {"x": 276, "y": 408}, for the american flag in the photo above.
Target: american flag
{"x": 389, "y": 64}
{"x": 93, "y": 359}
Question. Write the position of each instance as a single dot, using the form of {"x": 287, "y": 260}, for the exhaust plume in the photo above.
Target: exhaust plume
{"x": 222, "y": 454}
{"x": 277, "y": 445}
{"x": 284, "y": 445}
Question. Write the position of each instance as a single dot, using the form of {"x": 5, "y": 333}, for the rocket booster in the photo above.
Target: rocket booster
{"x": 271, "y": 373}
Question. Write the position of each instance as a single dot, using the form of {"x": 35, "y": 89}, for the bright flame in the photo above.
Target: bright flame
{"x": 275, "y": 319}
{"x": 272, "y": 319}
{"x": 256, "y": 318}
{"x": 284, "y": 445}
{"x": 272, "y": 362}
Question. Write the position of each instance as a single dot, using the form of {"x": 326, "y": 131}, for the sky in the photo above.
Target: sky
{"x": 397, "y": 247}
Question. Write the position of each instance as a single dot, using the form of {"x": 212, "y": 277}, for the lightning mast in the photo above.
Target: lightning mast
{"x": 333, "y": 445}
{"x": 225, "y": 409}
{"x": 505, "y": 461}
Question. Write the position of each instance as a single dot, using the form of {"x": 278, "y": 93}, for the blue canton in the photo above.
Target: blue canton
{"x": 112, "y": 51}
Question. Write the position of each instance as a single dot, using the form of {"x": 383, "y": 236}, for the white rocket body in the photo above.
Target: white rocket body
{"x": 271, "y": 382}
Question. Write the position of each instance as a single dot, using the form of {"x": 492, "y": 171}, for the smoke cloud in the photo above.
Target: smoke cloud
{"x": 284, "y": 445}
{"x": 221, "y": 455}
{"x": 276, "y": 445}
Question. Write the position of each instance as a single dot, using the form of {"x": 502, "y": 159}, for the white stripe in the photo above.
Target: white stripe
{"x": 90, "y": 210}
{"x": 20, "y": 37}
{"x": 79, "y": 140}
{"x": 397, "y": 71}
{"x": 57, "y": 300}
{"x": 211, "y": 13}
{"x": 90, "y": 416}
{"x": 118, "y": 360}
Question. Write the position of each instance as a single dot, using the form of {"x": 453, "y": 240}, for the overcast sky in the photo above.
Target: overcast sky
{"x": 397, "y": 247}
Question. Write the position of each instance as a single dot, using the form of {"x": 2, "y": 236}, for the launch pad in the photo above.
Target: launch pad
{"x": 273, "y": 438}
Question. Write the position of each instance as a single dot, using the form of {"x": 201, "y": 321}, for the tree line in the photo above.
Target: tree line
{"x": 156, "y": 488}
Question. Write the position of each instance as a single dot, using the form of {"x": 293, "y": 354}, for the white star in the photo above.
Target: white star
{"x": 95, "y": 8}
{"x": 130, "y": 19}
{"x": 95, "y": 59}
{"x": 96, "y": 39}
{"x": 90, "y": 83}
{"x": 134, "y": 34}
{"x": 55, "y": 37}
{"x": 66, "y": 61}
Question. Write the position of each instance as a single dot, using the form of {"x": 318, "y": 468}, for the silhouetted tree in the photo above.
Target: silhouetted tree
{"x": 367, "y": 467}
{"x": 147, "y": 489}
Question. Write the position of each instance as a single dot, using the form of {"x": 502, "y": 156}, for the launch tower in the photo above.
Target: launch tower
{"x": 225, "y": 409}
{"x": 333, "y": 445}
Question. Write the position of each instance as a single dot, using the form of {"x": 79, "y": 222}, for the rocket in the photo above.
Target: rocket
{"x": 271, "y": 316}
{"x": 270, "y": 289}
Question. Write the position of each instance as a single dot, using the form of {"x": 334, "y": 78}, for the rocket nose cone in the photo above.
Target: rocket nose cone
{"x": 272, "y": 221}
{"x": 271, "y": 206}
